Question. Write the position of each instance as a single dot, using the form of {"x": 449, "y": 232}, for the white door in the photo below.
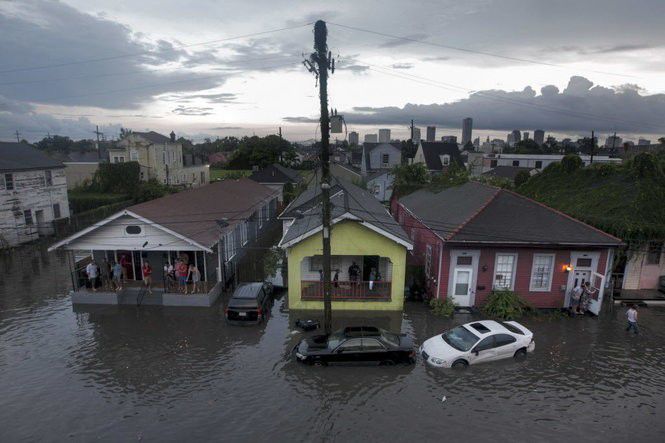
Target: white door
{"x": 462, "y": 286}
{"x": 597, "y": 284}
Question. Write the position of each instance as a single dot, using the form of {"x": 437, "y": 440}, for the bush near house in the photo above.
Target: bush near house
{"x": 442, "y": 308}
{"x": 506, "y": 305}
{"x": 81, "y": 201}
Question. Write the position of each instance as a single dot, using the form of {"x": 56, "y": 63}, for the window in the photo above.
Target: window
{"x": 516, "y": 162}
{"x": 9, "y": 182}
{"x": 445, "y": 160}
{"x": 485, "y": 344}
{"x": 27, "y": 215}
{"x": 654, "y": 252}
{"x": 494, "y": 163}
{"x": 539, "y": 164}
{"x": 428, "y": 261}
{"x": 243, "y": 233}
{"x": 133, "y": 230}
{"x": 352, "y": 345}
{"x": 465, "y": 260}
{"x": 541, "y": 272}
{"x": 56, "y": 210}
{"x": 584, "y": 263}
{"x": 118, "y": 159}
{"x": 48, "y": 177}
{"x": 372, "y": 344}
{"x": 385, "y": 159}
{"x": 503, "y": 340}
{"x": 480, "y": 328}
{"x": 504, "y": 271}
{"x": 511, "y": 328}
{"x": 134, "y": 155}
{"x": 229, "y": 245}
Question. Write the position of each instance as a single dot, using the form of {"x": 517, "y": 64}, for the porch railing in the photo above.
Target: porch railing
{"x": 347, "y": 290}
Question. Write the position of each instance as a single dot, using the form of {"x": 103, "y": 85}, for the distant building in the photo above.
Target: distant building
{"x": 416, "y": 135}
{"x": 33, "y": 194}
{"x": 514, "y": 137}
{"x": 467, "y": 127}
{"x": 537, "y": 161}
{"x": 525, "y": 135}
{"x": 384, "y": 135}
{"x": 539, "y": 137}
{"x": 431, "y": 133}
{"x": 275, "y": 177}
{"x": 476, "y": 143}
{"x": 643, "y": 142}
{"x": 613, "y": 141}
{"x": 161, "y": 158}
{"x": 437, "y": 156}
{"x": 371, "y": 138}
{"x": 449, "y": 139}
{"x": 80, "y": 167}
{"x": 354, "y": 138}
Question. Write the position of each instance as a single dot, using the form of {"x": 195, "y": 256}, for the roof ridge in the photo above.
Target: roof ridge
{"x": 497, "y": 191}
{"x": 570, "y": 217}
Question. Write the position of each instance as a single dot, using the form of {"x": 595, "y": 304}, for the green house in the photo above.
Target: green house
{"x": 368, "y": 249}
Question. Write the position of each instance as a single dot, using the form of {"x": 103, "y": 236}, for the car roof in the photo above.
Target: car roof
{"x": 247, "y": 290}
{"x": 486, "y": 327}
{"x": 361, "y": 331}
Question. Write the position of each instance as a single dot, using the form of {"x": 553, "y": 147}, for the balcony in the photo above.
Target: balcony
{"x": 312, "y": 290}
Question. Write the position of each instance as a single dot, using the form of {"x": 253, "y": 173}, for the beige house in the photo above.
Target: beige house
{"x": 80, "y": 167}
{"x": 160, "y": 158}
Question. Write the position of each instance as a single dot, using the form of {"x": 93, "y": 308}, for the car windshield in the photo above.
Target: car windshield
{"x": 390, "y": 338}
{"x": 335, "y": 339}
{"x": 460, "y": 338}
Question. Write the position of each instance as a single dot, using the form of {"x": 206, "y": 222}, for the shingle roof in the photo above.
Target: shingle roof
{"x": 477, "y": 213}
{"x": 276, "y": 173}
{"x": 509, "y": 172}
{"x": 345, "y": 198}
{"x": 433, "y": 150}
{"x": 196, "y": 213}
{"x": 21, "y": 156}
{"x": 153, "y": 136}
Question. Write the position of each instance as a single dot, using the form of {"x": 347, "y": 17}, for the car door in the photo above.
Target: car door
{"x": 373, "y": 350}
{"x": 483, "y": 351}
{"x": 348, "y": 352}
{"x": 505, "y": 345}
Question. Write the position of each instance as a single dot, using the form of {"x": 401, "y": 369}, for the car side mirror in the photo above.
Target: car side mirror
{"x": 339, "y": 351}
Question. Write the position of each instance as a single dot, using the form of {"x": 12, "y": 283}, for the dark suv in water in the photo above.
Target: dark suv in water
{"x": 250, "y": 304}
{"x": 356, "y": 345}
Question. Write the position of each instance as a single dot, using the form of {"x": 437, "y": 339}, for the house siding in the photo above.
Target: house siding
{"x": 639, "y": 274}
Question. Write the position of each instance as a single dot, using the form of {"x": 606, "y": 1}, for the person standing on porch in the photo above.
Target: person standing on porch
{"x": 372, "y": 277}
{"x": 182, "y": 271}
{"x": 117, "y": 276}
{"x": 124, "y": 263}
{"x": 92, "y": 270}
{"x": 147, "y": 276}
{"x": 195, "y": 276}
{"x": 631, "y": 315}
{"x": 576, "y": 299}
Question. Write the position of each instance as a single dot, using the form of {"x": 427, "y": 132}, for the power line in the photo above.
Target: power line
{"x": 473, "y": 51}
{"x": 135, "y": 54}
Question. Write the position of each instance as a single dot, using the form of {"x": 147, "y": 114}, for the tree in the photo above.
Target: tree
{"x": 455, "y": 175}
{"x": 409, "y": 178}
{"x": 468, "y": 147}
{"x": 521, "y": 178}
{"x": 661, "y": 140}
{"x": 571, "y": 162}
{"x": 527, "y": 147}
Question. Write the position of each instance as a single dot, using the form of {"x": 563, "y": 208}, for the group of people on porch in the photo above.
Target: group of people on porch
{"x": 181, "y": 274}
{"x": 109, "y": 276}
{"x": 354, "y": 276}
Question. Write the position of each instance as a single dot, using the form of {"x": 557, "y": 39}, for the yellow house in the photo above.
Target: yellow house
{"x": 368, "y": 249}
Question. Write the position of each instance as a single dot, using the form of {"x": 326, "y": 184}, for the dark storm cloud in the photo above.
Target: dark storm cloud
{"x": 579, "y": 107}
{"x": 38, "y": 33}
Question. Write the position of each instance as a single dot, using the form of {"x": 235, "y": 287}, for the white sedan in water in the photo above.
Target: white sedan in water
{"x": 477, "y": 342}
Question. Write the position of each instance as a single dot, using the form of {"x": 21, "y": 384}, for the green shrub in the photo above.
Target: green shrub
{"x": 605, "y": 169}
{"x": 521, "y": 178}
{"x": 86, "y": 201}
{"x": 506, "y": 305}
{"x": 442, "y": 308}
{"x": 571, "y": 162}
{"x": 119, "y": 178}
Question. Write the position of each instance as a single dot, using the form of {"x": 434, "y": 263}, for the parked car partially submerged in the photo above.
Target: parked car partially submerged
{"x": 359, "y": 345}
{"x": 477, "y": 342}
{"x": 250, "y": 303}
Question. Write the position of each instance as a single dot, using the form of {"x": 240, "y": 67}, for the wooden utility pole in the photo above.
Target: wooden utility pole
{"x": 319, "y": 63}
{"x": 593, "y": 146}
{"x": 18, "y": 137}
{"x": 99, "y": 155}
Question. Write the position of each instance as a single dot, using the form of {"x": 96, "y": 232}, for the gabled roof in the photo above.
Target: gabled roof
{"x": 22, "y": 156}
{"x": 153, "y": 136}
{"x": 349, "y": 202}
{"x": 474, "y": 213}
{"x": 200, "y": 214}
{"x": 276, "y": 173}
{"x": 433, "y": 150}
{"x": 509, "y": 172}
{"x": 370, "y": 146}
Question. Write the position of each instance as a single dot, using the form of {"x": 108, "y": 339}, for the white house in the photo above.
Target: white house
{"x": 33, "y": 193}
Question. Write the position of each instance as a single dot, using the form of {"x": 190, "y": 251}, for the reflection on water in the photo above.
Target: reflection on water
{"x": 121, "y": 373}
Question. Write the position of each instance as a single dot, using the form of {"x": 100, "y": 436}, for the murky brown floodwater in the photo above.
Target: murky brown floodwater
{"x": 122, "y": 374}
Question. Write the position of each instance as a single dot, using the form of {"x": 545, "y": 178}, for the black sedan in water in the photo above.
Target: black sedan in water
{"x": 356, "y": 345}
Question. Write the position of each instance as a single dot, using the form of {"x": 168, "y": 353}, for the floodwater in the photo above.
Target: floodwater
{"x": 157, "y": 374}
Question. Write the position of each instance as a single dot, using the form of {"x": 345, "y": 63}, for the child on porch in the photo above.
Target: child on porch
{"x": 147, "y": 276}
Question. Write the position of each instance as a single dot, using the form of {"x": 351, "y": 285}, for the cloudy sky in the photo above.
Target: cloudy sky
{"x": 227, "y": 67}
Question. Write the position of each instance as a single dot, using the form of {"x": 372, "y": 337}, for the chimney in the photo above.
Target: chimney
{"x": 172, "y": 137}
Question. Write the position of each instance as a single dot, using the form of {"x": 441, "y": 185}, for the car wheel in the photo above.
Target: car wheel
{"x": 319, "y": 363}
{"x": 460, "y": 364}
{"x": 520, "y": 354}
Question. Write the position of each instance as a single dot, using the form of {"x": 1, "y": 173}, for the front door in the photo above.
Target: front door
{"x": 462, "y": 286}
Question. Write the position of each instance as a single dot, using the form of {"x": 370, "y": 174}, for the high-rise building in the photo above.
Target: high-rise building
{"x": 416, "y": 135}
{"x": 370, "y": 138}
{"x": 476, "y": 142}
{"x": 449, "y": 139}
{"x": 431, "y": 133}
{"x": 384, "y": 135}
{"x": 643, "y": 142}
{"x": 354, "y": 138}
{"x": 539, "y": 136}
{"x": 613, "y": 141}
{"x": 525, "y": 135}
{"x": 516, "y": 136}
{"x": 467, "y": 127}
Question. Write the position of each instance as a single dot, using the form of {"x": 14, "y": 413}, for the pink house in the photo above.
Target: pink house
{"x": 475, "y": 238}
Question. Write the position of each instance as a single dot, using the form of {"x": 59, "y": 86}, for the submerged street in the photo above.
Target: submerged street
{"x": 152, "y": 373}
